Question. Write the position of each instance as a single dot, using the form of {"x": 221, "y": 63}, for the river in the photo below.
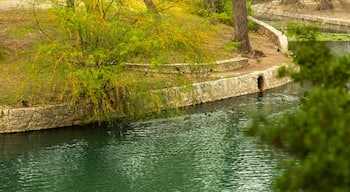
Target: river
{"x": 202, "y": 150}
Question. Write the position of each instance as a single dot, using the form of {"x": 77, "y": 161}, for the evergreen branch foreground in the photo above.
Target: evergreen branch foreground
{"x": 317, "y": 135}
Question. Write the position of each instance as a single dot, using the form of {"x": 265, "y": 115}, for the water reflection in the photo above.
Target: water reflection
{"x": 206, "y": 152}
{"x": 339, "y": 47}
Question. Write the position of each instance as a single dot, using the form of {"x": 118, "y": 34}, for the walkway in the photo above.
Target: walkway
{"x": 338, "y": 16}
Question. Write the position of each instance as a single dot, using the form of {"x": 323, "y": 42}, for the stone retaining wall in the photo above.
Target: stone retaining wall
{"x": 277, "y": 37}
{"x": 209, "y": 91}
{"x": 63, "y": 115}
{"x": 38, "y": 118}
{"x": 218, "y": 66}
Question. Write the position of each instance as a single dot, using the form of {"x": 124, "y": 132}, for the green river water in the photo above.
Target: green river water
{"x": 206, "y": 151}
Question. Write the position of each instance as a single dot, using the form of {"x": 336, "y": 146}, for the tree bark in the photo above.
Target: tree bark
{"x": 345, "y": 4}
{"x": 241, "y": 26}
{"x": 70, "y": 4}
{"x": 151, "y": 7}
{"x": 216, "y": 6}
{"x": 212, "y": 6}
{"x": 325, "y": 5}
{"x": 287, "y": 2}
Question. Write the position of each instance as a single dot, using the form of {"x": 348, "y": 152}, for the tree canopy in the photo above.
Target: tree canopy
{"x": 316, "y": 134}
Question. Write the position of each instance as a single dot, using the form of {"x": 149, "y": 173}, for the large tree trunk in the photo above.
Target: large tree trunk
{"x": 325, "y": 5}
{"x": 241, "y": 26}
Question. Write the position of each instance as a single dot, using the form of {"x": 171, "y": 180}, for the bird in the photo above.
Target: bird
{"x": 148, "y": 74}
{"x": 258, "y": 60}
{"x": 181, "y": 71}
{"x": 187, "y": 117}
{"x": 283, "y": 98}
{"x": 25, "y": 103}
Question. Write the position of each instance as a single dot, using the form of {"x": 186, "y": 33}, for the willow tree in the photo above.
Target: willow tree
{"x": 241, "y": 26}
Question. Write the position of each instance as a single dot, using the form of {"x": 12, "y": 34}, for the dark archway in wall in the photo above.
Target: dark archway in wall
{"x": 261, "y": 83}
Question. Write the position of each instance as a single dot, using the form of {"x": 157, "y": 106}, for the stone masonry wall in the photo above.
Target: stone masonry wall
{"x": 224, "y": 88}
{"x": 63, "y": 115}
{"x": 277, "y": 37}
{"x": 37, "y": 118}
{"x": 218, "y": 66}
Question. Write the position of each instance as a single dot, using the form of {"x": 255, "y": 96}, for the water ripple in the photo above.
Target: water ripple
{"x": 204, "y": 150}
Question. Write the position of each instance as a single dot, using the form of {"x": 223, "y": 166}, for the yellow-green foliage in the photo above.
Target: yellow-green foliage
{"x": 104, "y": 34}
{"x": 86, "y": 46}
{"x": 222, "y": 13}
{"x": 174, "y": 39}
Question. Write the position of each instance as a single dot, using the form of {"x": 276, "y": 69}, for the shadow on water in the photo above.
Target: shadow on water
{"x": 204, "y": 150}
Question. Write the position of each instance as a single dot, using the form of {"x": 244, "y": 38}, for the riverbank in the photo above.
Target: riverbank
{"x": 221, "y": 86}
{"x": 65, "y": 115}
{"x": 230, "y": 84}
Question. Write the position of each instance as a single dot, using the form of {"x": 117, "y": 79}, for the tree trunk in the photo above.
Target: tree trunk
{"x": 216, "y": 6}
{"x": 212, "y": 5}
{"x": 325, "y": 5}
{"x": 241, "y": 26}
{"x": 70, "y": 4}
{"x": 151, "y": 7}
{"x": 345, "y": 4}
{"x": 288, "y": 2}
